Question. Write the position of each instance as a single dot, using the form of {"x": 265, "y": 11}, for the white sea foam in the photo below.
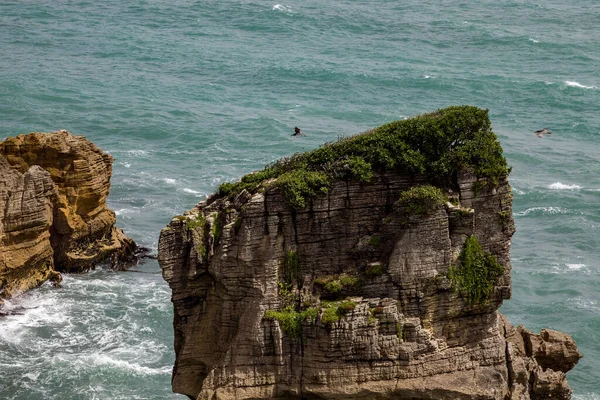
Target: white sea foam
{"x": 127, "y": 211}
{"x": 191, "y": 191}
{"x": 544, "y": 210}
{"x": 562, "y": 186}
{"x": 576, "y": 267}
{"x": 138, "y": 153}
{"x": 426, "y": 76}
{"x": 135, "y": 368}
{"x": 533, "y": 40}
{"x": 579, "y": 85}
{"x": 279, "y": 7}
{"x": 170, "y": 181}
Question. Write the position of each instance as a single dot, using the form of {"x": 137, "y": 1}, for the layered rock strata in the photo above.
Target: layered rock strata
{"x": 53, "y": 213}
{"x": 352, "y": 297}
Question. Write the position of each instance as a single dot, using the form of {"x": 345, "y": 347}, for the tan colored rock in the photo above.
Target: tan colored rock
{"x": 83, "y": 231}
{"x": 26, "y": 257}
{"x": 53, "y": 214}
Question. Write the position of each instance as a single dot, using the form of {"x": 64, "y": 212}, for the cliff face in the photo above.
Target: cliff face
{"x": 53, "y": 212}
{"x": 372, "y": 290}
{"x": 26, "y": 257}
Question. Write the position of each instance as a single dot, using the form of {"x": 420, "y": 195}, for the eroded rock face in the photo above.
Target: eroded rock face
{"x": 53, "y": 214}
{"x": 26, "y": 257}
{"x": 401, "y": 330}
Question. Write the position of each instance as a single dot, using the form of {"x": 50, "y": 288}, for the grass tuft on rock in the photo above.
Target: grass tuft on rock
{"x": 475, "y": 273}
{"x": 420, "y": 200}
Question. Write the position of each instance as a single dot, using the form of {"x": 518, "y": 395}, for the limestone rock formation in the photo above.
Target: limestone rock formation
{"x": 356, "y": 278}
{"x": 26, "y": 257}
{"x": 53, "y": 214}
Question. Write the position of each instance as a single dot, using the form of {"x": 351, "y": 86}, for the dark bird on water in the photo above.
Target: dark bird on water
{"x": 543, "y": 132}
{"x": 298, "y": 132}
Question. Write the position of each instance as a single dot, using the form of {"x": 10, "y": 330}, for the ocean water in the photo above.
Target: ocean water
{"x": 187, "y": 94}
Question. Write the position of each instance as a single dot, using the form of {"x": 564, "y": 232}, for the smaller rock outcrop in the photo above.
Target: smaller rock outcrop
{"x": 53, "y": 213}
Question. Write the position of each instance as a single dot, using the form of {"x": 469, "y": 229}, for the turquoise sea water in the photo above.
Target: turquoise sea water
{"x": 187, "y": 94}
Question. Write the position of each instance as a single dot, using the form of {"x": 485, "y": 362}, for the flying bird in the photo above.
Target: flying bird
{"x": 543, "y": 132}
{"x": 297, "y": 132}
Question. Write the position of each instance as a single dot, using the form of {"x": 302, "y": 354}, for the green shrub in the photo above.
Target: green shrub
{"x": 217, "y": 228}
{"x": 335, "y": 310}
{"x": 421, "y": 200}
{"x": 334, "y": 284}
{"x": 291, "y": 320}
{"x": 299, "y": 185}
{"x": 475, "y": 273}
{"x": 375, "y": 269}
{"x": 334, "y": 287}
{"x": 195, "y": 223}
{"x": 439, "y": 144}
{"x": 291, "y": 267}
{"x": 350, "y": 281}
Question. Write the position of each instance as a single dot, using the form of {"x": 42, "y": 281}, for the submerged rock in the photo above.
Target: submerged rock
{"x": 53, "y": 214}
{"x": 369, "y": 268}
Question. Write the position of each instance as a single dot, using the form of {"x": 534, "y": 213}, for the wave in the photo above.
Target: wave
{"x": 103, "y": 360}
{"x": 579, "y": 85}
{"x": 533, "y": 40}
{"x": 562, "y": 186}
{"x": 279, "y": 7}
{"x": 191, "y": 191}
{"x": 576, "y": 267}
{"x": 544, "y": 210}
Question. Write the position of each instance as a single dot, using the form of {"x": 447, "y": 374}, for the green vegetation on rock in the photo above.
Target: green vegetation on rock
{"x": 374, "y": 269}
{"x": 336, "y": 310}
{"x": 334, "y": 284}
{"x": 195, "y": 223}
{"x": 475, "y": 273}
{"x": 439, "y": 145}
{"x": 421, "y": 200}
{"x": 291, "y": 267}
{"x": 291, "y": 320}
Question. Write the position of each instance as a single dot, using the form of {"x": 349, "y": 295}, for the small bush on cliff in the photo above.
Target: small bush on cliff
{"x": 334, "y": 284}
{"x": 421, "y": 200}
{"x": 291, "y": 268}
{"x": 439, "y": 144}
{"x": 475, "y": 273}
{"x": 336, "y": 310}
{"x": 299, "y": 185}
{"x": 291, "y": 320}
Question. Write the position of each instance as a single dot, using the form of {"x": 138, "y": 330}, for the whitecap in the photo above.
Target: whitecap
{"x": 545, "y": 210}
{"x": 426, "y": 76}
{"x": 579, "y": 85}
{"x": 170, "y": 181}
{"x": 562, "y": 186}
{"x": 191, "y": 191}
{"x": 138, "y": 153}
{"x": 126, "y": 165}
{"x": 279, "y": 7}
{"x": 125, "y": 211}
{"x": 105, "y": 360}
{"x": 533, "y": 40}
{"x": 576, "y": 267}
